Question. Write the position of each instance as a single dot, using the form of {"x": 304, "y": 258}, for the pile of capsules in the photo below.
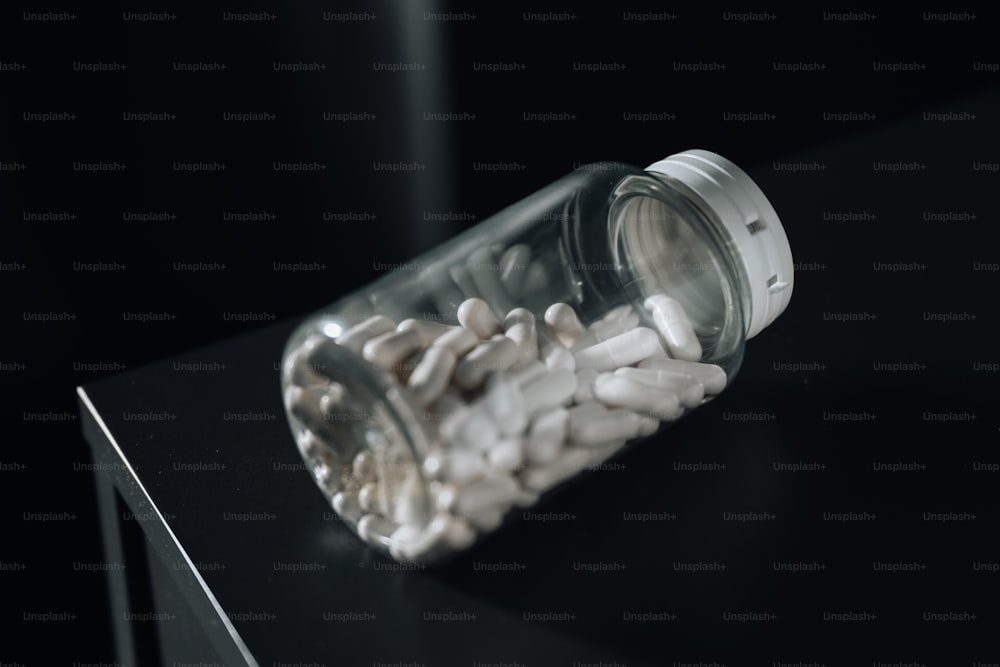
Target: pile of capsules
{"x": 515, "y": 407}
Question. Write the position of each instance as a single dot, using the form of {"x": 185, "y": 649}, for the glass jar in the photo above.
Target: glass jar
{"x": 535, "y": 345}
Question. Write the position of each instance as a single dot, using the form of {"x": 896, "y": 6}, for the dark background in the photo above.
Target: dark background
{"x": 896, "y": 254}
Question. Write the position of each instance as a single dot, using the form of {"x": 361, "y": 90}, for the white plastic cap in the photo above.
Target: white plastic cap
{"x": 751, "y": 222}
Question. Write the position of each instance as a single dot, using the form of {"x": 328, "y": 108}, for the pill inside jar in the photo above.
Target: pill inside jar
{"x": 437, "y": 402}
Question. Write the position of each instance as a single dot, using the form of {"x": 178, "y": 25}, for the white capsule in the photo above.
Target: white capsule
{"x": 513, "y": 268}
{"x": 506, "y": 455}
{"x": 355, "y": 338}
{"x": 564, "y": 323}
{"x": 523, "y": 335}
{"x": 542, "y": 478}
{"x": 444, "y": 534}
{"x": 408, "y": 502}
{"x": 497, "y": 492}
{"x": 558, "y": 358}
{"x": 304, "y": 374}
{"x": 475, "y": 315}
{"x": 491, "y": 356}
{"x": 687, "y": 387}
{"x": 388, "y": 350}
{"x": 376, "y": 530}
{"x": 590, "y": 426}
{"x": 431, "y": 376}
{"x": 485, "y": 273}
{"x": 346, "y": 505}
{"x": 675, "y": 327}
{"x": 648, "y": 426}
{"x": 618, "y": 391}
{"x": 549, "y": 391}
{"x": 454, "y": 465}
{"x": 471, "y": 428}
{"x": 504, "y": 402}
{"x": 516, "y": 316}
{"x": 447, "y": 404}
{"x": 368, "y": 497}
{"x": 304, "y": 405}
{"x": 712, "y": 377}
{"x": 526, "y": 373}
{"x": 363, "y": 466}
{"x": 536, "y": 279}
{"x": 602, "y": 453}
{"x": 459, "y": 340}
{"x": 487, "y": 520}
{"x": 622, "y": 350}
{"x": 585, "y": 385}
{"x": 429, "y": 330}
{"x": 616, "y": 322}
{"x": 545, "y": 437}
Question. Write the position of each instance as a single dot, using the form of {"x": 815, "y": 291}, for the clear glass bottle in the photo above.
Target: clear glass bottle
{"x": 422, "y": 445}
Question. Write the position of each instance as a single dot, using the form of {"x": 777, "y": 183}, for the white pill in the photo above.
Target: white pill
{"x": 376, "y": 530}
{"x": 528, "y": 372}
{"x": 542, "y": 478}
{"x": 444, "y": 534}
{"x": 363, "y": 465}
{"x": 536, "y": 279}
{"x": 368, "y": 497}
{"x": 593, "y": 427}
{"x": 355, "y": 338}
{"x": 485, "y": 273}
{"x": 648, "y": 426}
{"x": 549, "y": 391}
{"x": 675, "y": 327}
{"x": 505, "y": 403}
{"x": 602, "y": 453}
{"x": 513, "y": 268}
{"x": 523, "y": 335}
{"x": 487, "y": 520}
{"x": 622, "y": 350}
{"x": 459, "y": 340}
{"x": 616, "y": 322}
{"x": 562, "y": 320}
{"x": 518, "y": 315}
{"x": 304, "y": 406}
{"x": 585, "y": 385}
{"x": 475, "y": 315}
{"x": 471, "y": 428}
{"x": 545, "y": 437}
{"x": 622, "y": 392}
{"x": 346, "y": 505}
{"x": 497, "y": 492}
{"x": 454, "y": 465}
{"x": 687, "y": 387}
{"x": 431, "y": 376}
{"x": 528, "y": 498}
{"x": 558, "y": 358}
{"x": 303, "y": 373}
{"x": 388, "y": 350}
{"x": 712, "y": 377}
{"x": 408, "y": 503}
{"x": 429, "y": 330}
{"x": 447, "y": 404}
{"x": 506, "y": 455}
{"x": 491, "y": 356}
{"x": 443, "y": 495}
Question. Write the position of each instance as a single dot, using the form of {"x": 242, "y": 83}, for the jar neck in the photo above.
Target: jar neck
{"x": 660, "y": 238}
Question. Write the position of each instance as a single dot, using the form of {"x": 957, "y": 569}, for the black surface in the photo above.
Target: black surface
{"x": 55, "y": 609}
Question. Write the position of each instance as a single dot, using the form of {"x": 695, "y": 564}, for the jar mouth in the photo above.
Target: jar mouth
{"x": 340, "y": 408}
{"x": 662, "y": 244}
